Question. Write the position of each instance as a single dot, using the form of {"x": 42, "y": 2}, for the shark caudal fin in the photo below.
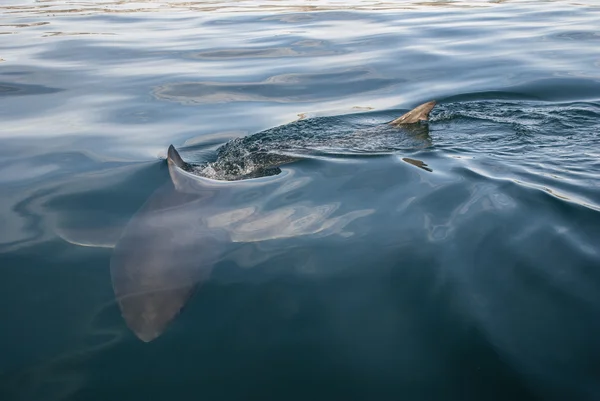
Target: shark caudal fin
{"x": 419, "y": 113}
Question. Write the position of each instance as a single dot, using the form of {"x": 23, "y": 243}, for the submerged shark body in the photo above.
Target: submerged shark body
{"x": 263, "y": 153}
{"x": 167, "y": 250}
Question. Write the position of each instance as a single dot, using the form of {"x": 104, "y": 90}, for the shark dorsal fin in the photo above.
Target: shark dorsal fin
{"x": 183, "y": 177}
{"x": 419, "y": 113}
{"x": 177, "y": 170}
{"x": 174, "y": 158}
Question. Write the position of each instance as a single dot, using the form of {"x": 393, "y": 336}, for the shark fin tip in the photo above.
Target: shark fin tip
{"x": 419, "y": 113}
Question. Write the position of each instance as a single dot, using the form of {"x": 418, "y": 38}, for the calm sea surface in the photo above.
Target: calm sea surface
{"x": 461, "y": 262}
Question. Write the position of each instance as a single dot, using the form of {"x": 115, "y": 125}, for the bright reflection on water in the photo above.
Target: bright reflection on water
{"x": 459, "y": 262}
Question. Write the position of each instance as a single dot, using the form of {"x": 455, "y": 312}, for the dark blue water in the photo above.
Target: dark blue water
{"x": 456, "y": 262}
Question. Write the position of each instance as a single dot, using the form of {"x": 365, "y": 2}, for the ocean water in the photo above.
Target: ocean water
{"x": 457, "y": 261}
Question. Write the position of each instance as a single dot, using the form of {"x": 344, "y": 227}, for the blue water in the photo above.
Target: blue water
{"x": 458, "y": 262}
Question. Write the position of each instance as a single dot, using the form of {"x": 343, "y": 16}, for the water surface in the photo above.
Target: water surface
{"x": 355, "y": 273}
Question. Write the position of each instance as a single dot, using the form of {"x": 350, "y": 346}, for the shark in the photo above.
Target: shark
{"x": 166, "y": 251}
{"x": 262, "y": 154}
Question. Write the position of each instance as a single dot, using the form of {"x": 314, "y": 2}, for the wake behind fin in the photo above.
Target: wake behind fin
{"x": 419, "y": 113}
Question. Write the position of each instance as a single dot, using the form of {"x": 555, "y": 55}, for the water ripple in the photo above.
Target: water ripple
{"x": 403, "y": 261}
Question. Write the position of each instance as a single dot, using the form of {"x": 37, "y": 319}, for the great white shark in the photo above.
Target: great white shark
{"x": 164, "y": 254}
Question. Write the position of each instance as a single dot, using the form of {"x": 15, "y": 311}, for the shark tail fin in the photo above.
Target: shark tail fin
{"x": 419, "y": 113}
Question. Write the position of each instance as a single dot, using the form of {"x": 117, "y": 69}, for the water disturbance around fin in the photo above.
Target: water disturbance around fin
{"x": 419, "y": 113}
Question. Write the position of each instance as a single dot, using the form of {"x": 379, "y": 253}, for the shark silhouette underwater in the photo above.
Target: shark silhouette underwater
{"x": 166, "y": 252}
